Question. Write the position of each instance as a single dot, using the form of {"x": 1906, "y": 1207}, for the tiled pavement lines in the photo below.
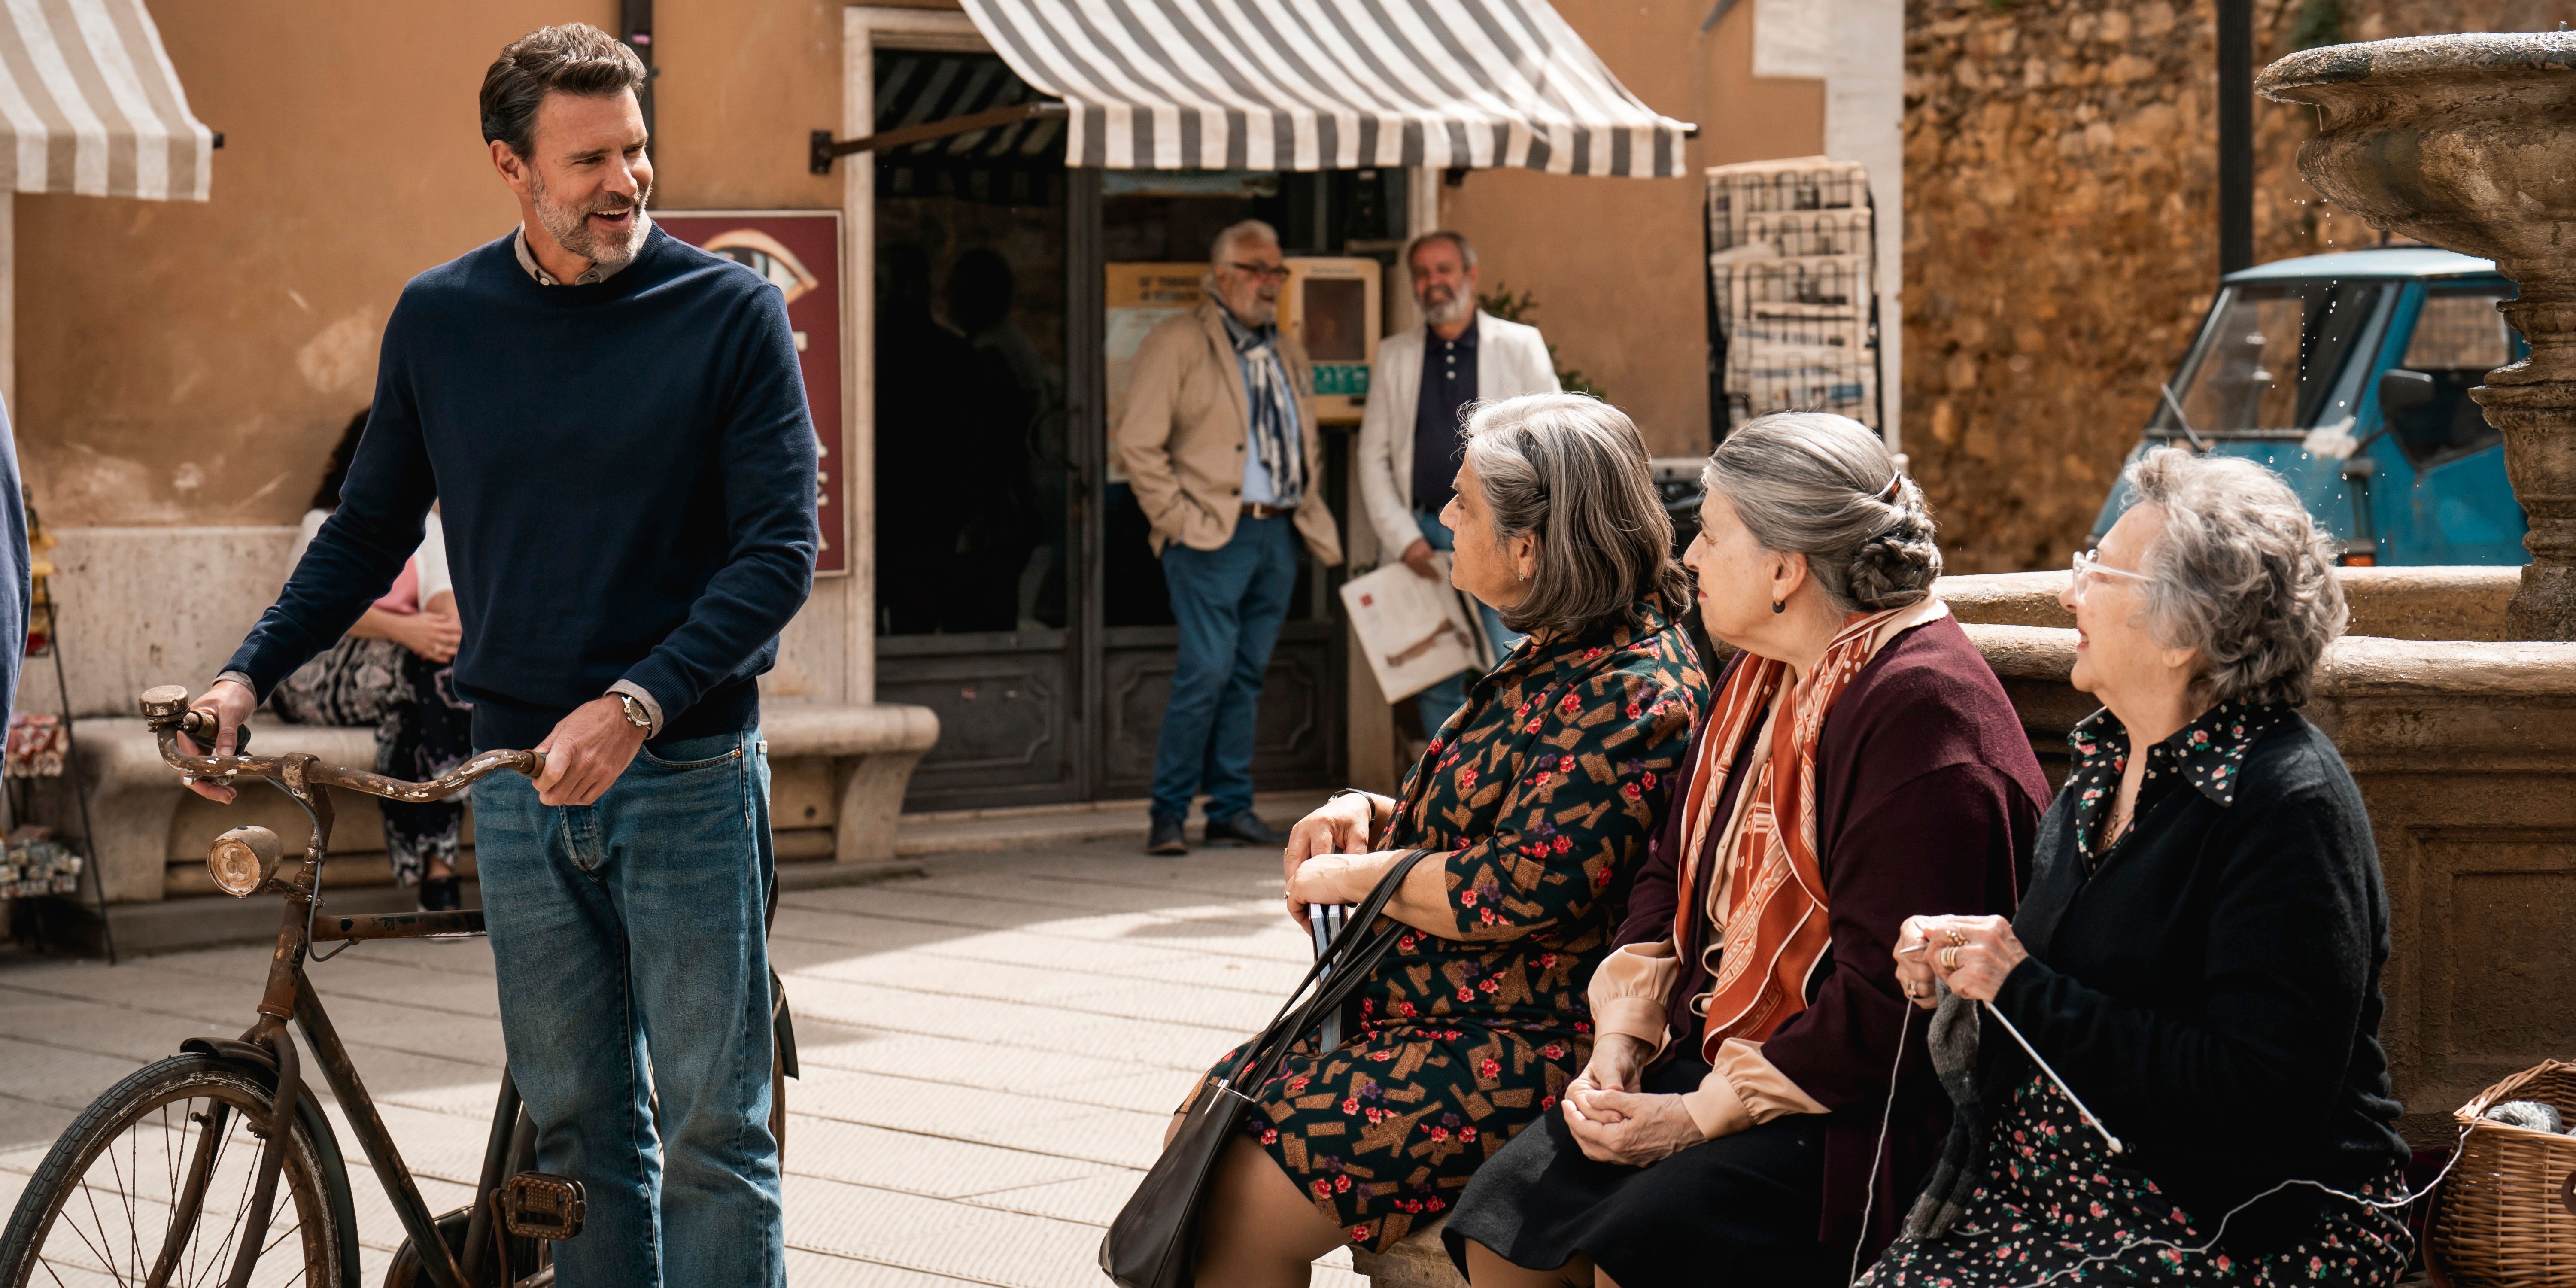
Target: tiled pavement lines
{"x": 990, "y": 1052}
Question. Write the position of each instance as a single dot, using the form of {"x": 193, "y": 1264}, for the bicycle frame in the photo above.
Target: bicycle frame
{"x": 289, "y": 995}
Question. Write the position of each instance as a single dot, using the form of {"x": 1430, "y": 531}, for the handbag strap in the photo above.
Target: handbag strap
{"x": 1349, "y": 958}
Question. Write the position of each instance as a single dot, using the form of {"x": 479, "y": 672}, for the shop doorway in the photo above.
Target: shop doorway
{"x": 1016, "y": 594}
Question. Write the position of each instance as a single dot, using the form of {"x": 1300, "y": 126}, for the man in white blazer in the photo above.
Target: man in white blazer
{"x": 1409, "y": 444}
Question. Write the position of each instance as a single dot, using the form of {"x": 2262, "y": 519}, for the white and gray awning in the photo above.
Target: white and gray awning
{"x": 1328, "y": 84}
{"x": 89, "y": 104}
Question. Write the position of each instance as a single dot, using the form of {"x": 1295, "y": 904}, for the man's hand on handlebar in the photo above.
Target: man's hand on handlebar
{"x": 586, "y": 752}
{"x": 230, "y": 704}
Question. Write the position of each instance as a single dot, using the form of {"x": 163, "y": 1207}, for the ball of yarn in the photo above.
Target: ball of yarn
{"x": 2526, "y": 1113}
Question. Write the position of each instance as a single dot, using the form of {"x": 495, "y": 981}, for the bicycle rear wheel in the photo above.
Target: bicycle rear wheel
{"x": 98, "y": 1210}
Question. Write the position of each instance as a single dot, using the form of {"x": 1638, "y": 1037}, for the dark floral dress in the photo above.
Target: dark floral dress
{"x": 1543, "y": 791}
{"x": 2055, "y": 1207}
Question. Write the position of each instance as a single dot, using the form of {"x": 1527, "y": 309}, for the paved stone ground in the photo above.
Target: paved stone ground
{"x": 989, "y": 1053}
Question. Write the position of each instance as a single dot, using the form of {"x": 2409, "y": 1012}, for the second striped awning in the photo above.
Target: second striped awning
{"x": 89, "y": 104}
{"x": 1328, "y": 85}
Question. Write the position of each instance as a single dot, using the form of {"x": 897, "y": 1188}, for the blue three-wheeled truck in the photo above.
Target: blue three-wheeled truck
{"x": 2349, "y": 375}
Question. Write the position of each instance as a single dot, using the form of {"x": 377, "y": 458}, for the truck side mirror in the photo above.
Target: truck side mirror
{"x": 2403, "y": 390}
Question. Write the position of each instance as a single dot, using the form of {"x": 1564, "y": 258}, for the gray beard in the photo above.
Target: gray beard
{"x": 1458, "y": 309}
{"x": 571, "y": 230}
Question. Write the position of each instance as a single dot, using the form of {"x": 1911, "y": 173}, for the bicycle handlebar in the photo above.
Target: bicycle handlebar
{"x": 166, "y": 712}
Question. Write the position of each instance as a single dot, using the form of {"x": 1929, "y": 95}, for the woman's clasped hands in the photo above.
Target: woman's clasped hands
{"x": 1970, "y": 954}
{"x": 1327, "y": 860}
{"x": 1614, "y": 1122}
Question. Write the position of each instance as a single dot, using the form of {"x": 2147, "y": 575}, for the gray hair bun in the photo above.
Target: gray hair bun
{"x": 2527, "y": 1113}
{"x": 1826, "y": 487}
{"x": 1896, "y": 567}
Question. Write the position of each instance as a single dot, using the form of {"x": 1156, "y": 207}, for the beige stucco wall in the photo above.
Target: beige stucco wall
{"x": 191, "y": 364}
{"x": 1615, "y": 263}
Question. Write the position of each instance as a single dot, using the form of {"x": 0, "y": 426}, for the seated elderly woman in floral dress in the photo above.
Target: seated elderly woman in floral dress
{"x": 1859, "y": 762}
{"x": 2199, "y": 955}
{"x": 1536, "y": 800}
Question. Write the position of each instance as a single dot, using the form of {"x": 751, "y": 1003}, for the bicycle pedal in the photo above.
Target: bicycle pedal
{"x": 535, "y": 1205}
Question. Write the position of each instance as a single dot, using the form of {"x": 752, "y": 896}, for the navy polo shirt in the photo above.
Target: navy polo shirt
{"x": 1448, "y": 385}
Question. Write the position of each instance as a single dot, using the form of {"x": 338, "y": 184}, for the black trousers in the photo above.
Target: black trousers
{"x": 1739, "y": 1210}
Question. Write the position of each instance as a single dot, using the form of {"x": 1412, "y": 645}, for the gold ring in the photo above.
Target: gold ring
{"x": 1957, "y": 940}
{"x": 1950, "y": 958}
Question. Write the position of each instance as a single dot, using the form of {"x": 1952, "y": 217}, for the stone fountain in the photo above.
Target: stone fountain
{"x": 2469, "y": 142}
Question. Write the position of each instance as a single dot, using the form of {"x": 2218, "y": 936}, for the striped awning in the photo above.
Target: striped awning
{"x": 915, "y": 89}
{"x": 1328, "y": 85}
{"x": 90, "y": 105}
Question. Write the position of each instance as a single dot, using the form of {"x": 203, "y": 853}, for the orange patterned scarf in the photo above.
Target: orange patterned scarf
{"x": 1775, "y": 929}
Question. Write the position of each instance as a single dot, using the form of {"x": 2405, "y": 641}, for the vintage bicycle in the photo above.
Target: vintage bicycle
{"x": 172, "y": 1178}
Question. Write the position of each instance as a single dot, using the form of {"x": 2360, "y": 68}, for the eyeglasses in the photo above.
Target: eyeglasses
{"x": 2088, "y": 565}
{"x": 1260, "y": 272}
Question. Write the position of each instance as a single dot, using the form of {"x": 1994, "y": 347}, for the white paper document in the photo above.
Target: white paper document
{"x": 1416, "y": 631}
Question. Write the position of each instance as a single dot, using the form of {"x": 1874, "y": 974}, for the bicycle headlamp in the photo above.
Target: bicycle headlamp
{"x": 243, "y": 859}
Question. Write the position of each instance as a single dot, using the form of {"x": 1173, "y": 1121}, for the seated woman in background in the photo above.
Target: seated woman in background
{"x": 2199, "y": 956}
{"x": 1859, "y": 762}
{"x": 1537, "y": 799}
{"x": 394, "y": 671}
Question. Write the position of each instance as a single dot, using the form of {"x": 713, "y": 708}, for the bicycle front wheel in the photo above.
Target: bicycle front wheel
{"x": 100, "y": 1208}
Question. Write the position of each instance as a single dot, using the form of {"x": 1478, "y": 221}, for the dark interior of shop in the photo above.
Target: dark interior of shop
{"x": 991, "y": 432}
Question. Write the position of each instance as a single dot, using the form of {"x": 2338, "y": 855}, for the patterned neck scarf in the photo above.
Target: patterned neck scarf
{"x": 1272, "y": 402}
{"x": 1775, "y": 930}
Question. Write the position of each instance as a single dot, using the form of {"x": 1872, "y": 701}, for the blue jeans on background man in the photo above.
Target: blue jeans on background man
{"x": 1442, "y": 700}
{"x": 1229, "y": 603}
{"x": 628, "y": 930}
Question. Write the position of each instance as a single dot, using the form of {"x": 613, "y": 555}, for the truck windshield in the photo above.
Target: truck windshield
{"x": 2272, "y": 357}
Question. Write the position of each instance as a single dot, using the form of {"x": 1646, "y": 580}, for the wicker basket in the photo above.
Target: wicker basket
{"x": 2501, "y": 1221}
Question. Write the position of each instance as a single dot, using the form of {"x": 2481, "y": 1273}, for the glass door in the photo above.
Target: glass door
{"x": 978, "y": 574}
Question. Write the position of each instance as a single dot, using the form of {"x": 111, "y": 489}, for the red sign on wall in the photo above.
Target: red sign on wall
{"x": 799, "y": 251}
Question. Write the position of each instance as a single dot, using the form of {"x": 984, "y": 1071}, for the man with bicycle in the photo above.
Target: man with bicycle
{"x": 614, "y": 425}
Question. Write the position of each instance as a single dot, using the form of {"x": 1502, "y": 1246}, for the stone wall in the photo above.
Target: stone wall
{"x": 2061, "y": 234}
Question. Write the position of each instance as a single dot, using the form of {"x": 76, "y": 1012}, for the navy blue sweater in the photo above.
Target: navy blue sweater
{"x": 626, "y": 475}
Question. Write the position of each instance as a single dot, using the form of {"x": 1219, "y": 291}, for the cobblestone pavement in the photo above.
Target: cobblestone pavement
{"x": 989, "y": 1053}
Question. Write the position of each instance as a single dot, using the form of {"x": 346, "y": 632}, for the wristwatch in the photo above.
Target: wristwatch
{"x": 636, "y": 715}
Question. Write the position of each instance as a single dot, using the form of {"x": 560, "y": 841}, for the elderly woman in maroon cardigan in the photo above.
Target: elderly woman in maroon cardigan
{"x": 1859, "y": 765}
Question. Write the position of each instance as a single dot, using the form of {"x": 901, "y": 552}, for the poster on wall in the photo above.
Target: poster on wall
{"x": 799, "y": 252}
{"x": 1140, "y": 297}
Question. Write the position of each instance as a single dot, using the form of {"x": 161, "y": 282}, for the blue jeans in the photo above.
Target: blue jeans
{"x": 1230, "y": 602}
{"x": 632, "y": 930}
{"x": 1442, "y": 700}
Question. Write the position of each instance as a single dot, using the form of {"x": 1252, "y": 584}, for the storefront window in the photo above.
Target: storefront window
{"x": 971, "y": 419}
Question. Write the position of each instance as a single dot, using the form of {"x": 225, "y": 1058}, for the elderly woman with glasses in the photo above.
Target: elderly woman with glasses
{"x": 2198, "y": 958}
{"x": 1536, "y": 801}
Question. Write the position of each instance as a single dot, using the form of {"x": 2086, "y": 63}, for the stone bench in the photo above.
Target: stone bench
{"x": 839, "y": 773}
{"x": 1418, "y": 1260}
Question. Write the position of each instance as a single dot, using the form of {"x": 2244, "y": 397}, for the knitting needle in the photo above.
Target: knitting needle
{"x": 1921, "y": 947}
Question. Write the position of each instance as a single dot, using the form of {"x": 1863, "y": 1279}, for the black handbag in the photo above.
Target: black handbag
{"x": 1151, "y": 1243}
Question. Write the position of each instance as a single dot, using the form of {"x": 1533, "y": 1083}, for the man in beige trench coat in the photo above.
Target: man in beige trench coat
{"x": 1220, "y": 445}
